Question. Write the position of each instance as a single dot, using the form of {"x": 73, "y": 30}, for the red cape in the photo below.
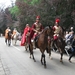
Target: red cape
{"x": 23, "y": 40}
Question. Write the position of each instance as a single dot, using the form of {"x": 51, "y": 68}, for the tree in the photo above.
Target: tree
{"x": 49, "y": 10}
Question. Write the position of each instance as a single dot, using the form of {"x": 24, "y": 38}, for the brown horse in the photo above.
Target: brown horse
{"x": 60, "y": 43}
{"x": 62, "y": 32}
{"x": 8, "y": 40}
{"x": 42, "y": 43}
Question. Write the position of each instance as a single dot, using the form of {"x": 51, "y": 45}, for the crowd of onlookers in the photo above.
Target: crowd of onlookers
{"x": 69, "y": 36}
{"x": 70, "y": 40}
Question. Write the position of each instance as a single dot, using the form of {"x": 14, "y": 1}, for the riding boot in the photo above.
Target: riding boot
{"x": 34, "y": 44}
{"x": 54, "y": 45}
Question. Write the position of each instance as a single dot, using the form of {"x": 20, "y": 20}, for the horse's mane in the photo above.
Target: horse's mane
{"x": 44, "y": 29}
{"x": 47, "y": 27}
{"x": 63, "y": 28}
{"x": 62, "y": 32}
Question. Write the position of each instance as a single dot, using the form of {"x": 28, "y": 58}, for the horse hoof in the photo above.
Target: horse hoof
{"x": 26, "y": 49}
{"x": 70, "y": 61}
{"x": 30, "y": 56}
{"x": 34, "y": 60}
{"x": 61, "y": 61}
{"x": 45, "y": 66}
{"x": 51, "y": 58}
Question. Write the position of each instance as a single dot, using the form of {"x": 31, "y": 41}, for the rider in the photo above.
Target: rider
{"x": 6, "y": 33}
{"x": 14, "y": 31}
{"x": 36, "y": 29}
{"x": 25, "y": 34}
{"x": 56, "y": 29}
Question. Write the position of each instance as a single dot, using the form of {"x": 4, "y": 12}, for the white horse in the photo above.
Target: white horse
{"x": 15, "y": 38}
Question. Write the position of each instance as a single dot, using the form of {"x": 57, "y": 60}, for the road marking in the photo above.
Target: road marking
{"x": 16, "y": 48}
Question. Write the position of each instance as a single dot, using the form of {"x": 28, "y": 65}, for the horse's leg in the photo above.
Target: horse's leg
{"x": 61, "y": 59}
{"x": 49, "y": 49}
{"x": 61, "y": 52}
{"x": 6, "y": 41}
{"x": 50, "y": 54}
{"x": 31, "y": 52}
{"x": 9, "y": 42}
{"x": 15, "y": 39}
{"x": 43, "y": 56}
{"x": 41, "y": 59}
{"x": 26, "y": 44}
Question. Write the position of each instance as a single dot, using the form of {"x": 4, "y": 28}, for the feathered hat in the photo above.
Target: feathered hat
{"x": 37, "y": 17}
{"x": 57, "y": 20}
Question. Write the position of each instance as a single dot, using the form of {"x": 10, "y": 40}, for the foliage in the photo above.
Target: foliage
{"x": 32, "y": 2}
{"x": 49, "y": 10}
{"x": 14, "y": 10}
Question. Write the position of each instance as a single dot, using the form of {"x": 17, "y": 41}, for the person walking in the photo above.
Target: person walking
{"x": 26, "y": 33}
{"x": 72, "y": 49}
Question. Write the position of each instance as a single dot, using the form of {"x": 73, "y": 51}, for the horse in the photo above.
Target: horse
{"x": 8, "y": 39}
{"x": 42, "y": 43}
{"x": 62, "y": 32}
{"x": 60, "y": 43}
{"x": 27, "y": 41}
{"x": 15, "y": 38}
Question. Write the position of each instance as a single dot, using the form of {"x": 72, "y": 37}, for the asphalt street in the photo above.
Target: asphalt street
{"x": 14, "y": 60}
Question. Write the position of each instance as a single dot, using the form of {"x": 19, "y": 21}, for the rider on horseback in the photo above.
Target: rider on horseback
{"x": 14, "y": 32}
{"x": 36, "y": 29}
{"x": 57, "y": 30}
{"x": 6, "y": 33}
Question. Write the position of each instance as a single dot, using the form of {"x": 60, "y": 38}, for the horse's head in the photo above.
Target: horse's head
{"x": 49, "y": 31}
{"x": 62, "y": 32}
{"x": 9, "y": 35}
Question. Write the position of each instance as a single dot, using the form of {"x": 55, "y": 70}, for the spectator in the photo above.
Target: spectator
{"x": 73, "y": 49}
{"x": 70, "y": 37}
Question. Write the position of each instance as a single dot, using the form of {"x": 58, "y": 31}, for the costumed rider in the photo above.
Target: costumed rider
{"x": 36, "y": 29}
{"x": 15, "y": 32}
{"x": 26, "y": 34}
{"x": 6, "y": 33}
{"x": 57, "y": 30}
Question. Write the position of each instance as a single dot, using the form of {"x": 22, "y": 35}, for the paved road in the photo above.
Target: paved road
{"x": 14, "y": 60}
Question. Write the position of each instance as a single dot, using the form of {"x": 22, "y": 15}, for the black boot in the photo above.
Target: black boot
{"x": 54, "y": 45}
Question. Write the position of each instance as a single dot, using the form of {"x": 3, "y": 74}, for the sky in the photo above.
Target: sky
{"x": 5, "y": 3}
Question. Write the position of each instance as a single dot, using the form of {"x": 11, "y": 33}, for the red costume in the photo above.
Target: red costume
{"x": 26, "y": 31}
{"x": 36, "y": 28}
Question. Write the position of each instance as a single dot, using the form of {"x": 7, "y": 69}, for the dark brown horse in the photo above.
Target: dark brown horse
{"x": 42, "y": 43}
{"x": 60, "y": 43}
